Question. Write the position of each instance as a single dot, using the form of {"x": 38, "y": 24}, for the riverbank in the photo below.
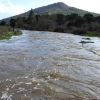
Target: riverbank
{"x": 6, "y": 32}
{"x": 91, "y": 34}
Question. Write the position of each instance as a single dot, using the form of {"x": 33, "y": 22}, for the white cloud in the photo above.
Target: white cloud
{"x": 7, "y": 8}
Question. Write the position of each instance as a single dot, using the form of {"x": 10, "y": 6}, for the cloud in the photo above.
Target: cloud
{"x": 8, "y": 8}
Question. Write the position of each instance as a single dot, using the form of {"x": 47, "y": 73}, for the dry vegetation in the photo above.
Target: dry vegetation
{"x": 6, "y": 32}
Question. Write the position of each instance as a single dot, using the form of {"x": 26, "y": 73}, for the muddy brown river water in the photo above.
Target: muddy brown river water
{"x": 49, "y": 66}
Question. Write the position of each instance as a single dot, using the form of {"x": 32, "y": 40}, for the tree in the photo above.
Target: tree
{"x": 45, "y": 15}
{"x": 88, "y": 15}
{"x": 97, "y": 19}
{"x": 3, "y": 23}
{"x": 71, "y": 23}
{"x": 90, "y": 18}
{"x": 12, "y": 22}
{"x": 31, "y": 18}
{"x": 37, "y": 17}
{"x": 80, "y": 21}
{"x": 72, "y": 17}
{"x": 25, "y": 20}
{"x": 60, "y": 19}
{"x": 19, "y": 22}
{"x": 45, "y": 24}
{"x": 53, "y": 17}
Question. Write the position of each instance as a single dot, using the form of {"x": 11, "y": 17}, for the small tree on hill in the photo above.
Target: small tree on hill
{"x": 31, "y": 18}
{"x": 88, "y": 15}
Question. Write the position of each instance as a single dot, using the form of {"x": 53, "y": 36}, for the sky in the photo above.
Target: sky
{"x": 13, "y": 7}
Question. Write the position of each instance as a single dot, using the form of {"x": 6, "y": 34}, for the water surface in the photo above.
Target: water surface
{"x": 49, "y": 66}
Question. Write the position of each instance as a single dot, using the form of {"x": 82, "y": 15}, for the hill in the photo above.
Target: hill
{"x": 55, "y": 8}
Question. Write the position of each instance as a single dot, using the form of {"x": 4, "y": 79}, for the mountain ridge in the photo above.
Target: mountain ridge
{"x": 58, "y": 7}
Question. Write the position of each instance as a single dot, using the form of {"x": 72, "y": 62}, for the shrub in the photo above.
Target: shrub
{"x": 90, "y": 18}
{"x": 72, "y": 17}
{"x": 94, "y": 27}
{"x": 80, "y": 21}
{"x": 71, "y": 23}
{"x": 79, "y": 31}
{"x": 45, "y": 24}
{"x": 88, "y": 15}
{"x": 3, "y": 23}
{"x": 97, "y": 19}
{"x": 60, "y": 29}
{"x": 60, "y": 19}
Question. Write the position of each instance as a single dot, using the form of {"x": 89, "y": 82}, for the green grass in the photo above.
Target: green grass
{"x": 6, "y": 32}
{"x": 9, "y": 35}
{"x": 92, "y": 34}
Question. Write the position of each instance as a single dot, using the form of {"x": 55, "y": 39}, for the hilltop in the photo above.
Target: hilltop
{"x": 55, "y": 8}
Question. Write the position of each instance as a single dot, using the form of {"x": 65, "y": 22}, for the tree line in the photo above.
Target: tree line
{"x": 56, "y": 22}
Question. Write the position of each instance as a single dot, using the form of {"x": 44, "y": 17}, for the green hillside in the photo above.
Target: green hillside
{"x": 55, "y": 8}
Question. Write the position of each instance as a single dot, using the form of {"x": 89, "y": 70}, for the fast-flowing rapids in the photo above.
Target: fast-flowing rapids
{"x": 49, "y": 66}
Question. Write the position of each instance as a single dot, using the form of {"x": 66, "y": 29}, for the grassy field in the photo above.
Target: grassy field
{"x": 6, "y": 32}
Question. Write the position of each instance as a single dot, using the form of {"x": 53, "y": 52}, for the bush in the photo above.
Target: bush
{"x": 80, "y": 21}
{"x": 71, "y": 23}
{"x": 60, "y": 19}
{"x": 60, "y": 29}
{"x": 97, "y": 19}
{"x": 6, "y": 32}
{"x": 45, "y": 24}
{"x": 90, "y": 18}
{"x": 3, "y": 23}
{"x": 94, "y": 27}
{"x": 79, "y": 31}
{"x": 72, "y": 17}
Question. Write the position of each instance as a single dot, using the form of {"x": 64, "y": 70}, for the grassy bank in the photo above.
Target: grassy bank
{"x": 6, "y": 32}
{"x": 92, "y": 34}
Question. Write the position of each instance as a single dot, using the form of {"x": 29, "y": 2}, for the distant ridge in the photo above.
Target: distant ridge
{"x": 59, "y": 7}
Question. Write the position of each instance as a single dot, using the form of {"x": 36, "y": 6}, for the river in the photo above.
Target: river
{"x": 49, "y": 66}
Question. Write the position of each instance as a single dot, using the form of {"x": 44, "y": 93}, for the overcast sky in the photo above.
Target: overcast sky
{"x": 13, "y": 7}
